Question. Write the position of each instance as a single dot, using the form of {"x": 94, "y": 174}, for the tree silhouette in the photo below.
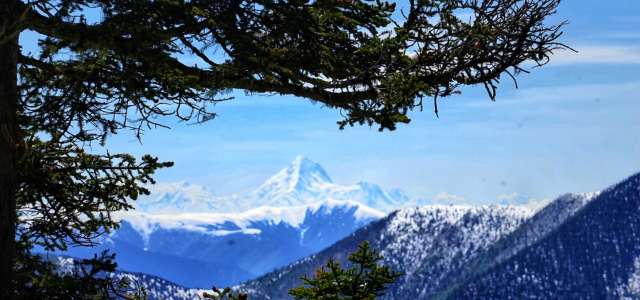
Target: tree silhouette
{"x": 94, "y": 76}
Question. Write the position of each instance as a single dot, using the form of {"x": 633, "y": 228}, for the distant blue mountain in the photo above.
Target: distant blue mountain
{"x": 200, "y": 250}
{"x": 183, "y": 271}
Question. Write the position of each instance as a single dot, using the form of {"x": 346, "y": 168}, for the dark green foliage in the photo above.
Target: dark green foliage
{"x": 66, "y": 198}
{"x": 333, "y": 51}
{"x": 366, "y": 280}
{"x": 67, "y": 195}
{"x": 38, "y": 278}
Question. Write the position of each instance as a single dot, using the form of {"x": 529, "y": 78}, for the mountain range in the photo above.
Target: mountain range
{"x": 201, "y": 249}
{"x": 580, "y": 246}
{"x": 298, "y": 218}
{"x": 302, "y": 182}
{"x": 443, "y": 250}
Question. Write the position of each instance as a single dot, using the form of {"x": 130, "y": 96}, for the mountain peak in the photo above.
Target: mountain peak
{"x": 306, "y": 170}
{"x": 302, "y": 179}
{"x": 302, "y": 166}
{"x": 301, "y": 159}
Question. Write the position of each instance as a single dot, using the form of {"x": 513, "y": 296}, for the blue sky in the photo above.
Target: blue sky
{"x": 572, "y": 126}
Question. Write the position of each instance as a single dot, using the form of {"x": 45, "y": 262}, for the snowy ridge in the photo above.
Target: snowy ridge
{"x": 198, "y": 249}
{"x": 418, "y": 233}
{"x": 592, "y": 255}
{"x": 429, "y": 245}
{"x": 590, "y": 196}
{"x": 210, "y": 223}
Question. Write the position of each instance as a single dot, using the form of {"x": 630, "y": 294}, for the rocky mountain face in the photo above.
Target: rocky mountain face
{"x": 581, "y": 246}
{"x": 199, "y": 250}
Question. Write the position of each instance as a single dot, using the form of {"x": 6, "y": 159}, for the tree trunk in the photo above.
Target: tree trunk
{"x": 8, "y": 155}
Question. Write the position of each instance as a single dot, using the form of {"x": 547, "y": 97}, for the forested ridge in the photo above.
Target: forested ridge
{"x": 579, "y": 246}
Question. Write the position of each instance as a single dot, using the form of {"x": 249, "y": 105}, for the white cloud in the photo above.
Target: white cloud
{"x": 617, "y": 35}
{"x": 446, "y": 198}
{"x": 510, "y": 198}
{"x": 519, "y": 200}
{"x": 594, "y": 54}
{"x": 566, "y": 93}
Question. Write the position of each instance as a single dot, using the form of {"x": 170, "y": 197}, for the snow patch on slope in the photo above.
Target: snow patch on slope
{"x": 417, "y": 233}
{"x": 631, "y": 289}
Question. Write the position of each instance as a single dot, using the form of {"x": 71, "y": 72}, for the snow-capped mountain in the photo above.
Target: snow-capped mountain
{"x": 428, "y": 244}
{"x": 301, "y": 183}
{"x": 201, "y": 249}
{"x": 305, "y": 181}
{"x": 595, "y": 254}
{"x": 321, "y": 215}
{"x": 580, "y": 246}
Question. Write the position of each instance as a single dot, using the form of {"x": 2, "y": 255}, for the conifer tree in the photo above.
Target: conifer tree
{"x": 93, "y": 76}
{"x": 365, "y": 280}
{"x": 65, "y": 198}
